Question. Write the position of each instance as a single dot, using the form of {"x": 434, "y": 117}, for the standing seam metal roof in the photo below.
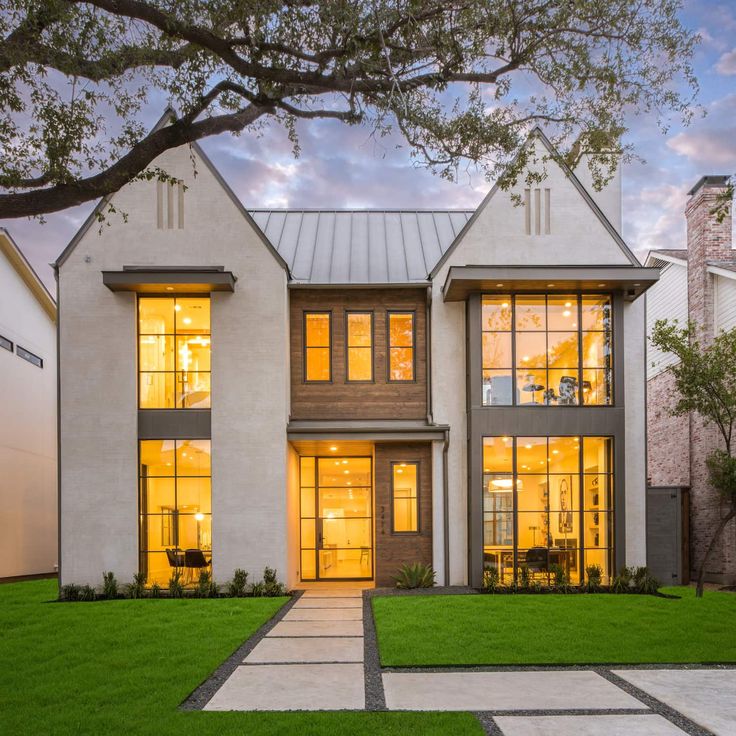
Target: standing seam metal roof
{"x": 360, "y": 246}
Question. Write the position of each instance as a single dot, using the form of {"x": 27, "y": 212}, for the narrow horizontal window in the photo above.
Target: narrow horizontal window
{"x": 317, "y": 346}
{"x": 5, "y": 343}
{"x": 29, "y": 356}
{"x": 401, "y": 346}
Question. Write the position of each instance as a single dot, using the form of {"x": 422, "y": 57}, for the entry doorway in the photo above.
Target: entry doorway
{"x": 336, "y": 515}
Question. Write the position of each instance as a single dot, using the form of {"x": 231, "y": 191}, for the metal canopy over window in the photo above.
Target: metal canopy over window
{"x": 174, "y": 279}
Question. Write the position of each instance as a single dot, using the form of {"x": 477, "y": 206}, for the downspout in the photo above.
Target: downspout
{"x": 428, "y": 332}
{"x": 58, "y": 424}
{"x": 446, "y": 506}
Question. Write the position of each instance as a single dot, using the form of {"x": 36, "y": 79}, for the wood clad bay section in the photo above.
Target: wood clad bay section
{"x": 393, "y": 550}
{"x": 340, "y": 399}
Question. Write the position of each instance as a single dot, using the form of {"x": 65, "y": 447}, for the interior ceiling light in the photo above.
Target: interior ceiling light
{"x": 333, "y": 448}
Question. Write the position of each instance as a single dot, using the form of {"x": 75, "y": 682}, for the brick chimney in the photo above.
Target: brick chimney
{"x": 707, "y": 240}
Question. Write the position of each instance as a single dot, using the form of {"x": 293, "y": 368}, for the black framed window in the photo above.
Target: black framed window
{"x": 401, "y": 352}
{"x": 29, "y": 356}
{"x": 359, "y": 346}
{"x": 317, "y": 347}
{"x": 547, "y": 350}
{"x": 547, "y": 504}
{"x": 5, "y": 343}
{"x": 404, "y": 497}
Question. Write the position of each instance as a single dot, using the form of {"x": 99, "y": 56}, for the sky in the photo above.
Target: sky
{"x": 342, "y": 166}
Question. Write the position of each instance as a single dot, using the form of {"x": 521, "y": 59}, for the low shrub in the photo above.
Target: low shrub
{"x": 490, "y": 579}
{"x": 69, "y": 592}
{"x": 644, "y": 582}
{"x": 87, "y": 593}
{"x": 206, "y": 586}
{"x": 109, "y": 585}
{"x": 621, "y": 583}
{"x": 176, "y": 587}
{"x": 524, "y": 578}
{"x": 236, "y": 588}
{"x": 593, "y": 578}
{"x": 258, "y": 590}
{"x": 137, "y": 589}
{"x": 417, "y": 575}
{"x": 155, "y": 591}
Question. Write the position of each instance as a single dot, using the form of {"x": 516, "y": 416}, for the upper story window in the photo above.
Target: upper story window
{"x": 401, "y": 346}
{"x": 547, "y": 349}
{"x": 317, "y": 346}
{"x": 359, "y": 335}
{"x": 174, "y": 352}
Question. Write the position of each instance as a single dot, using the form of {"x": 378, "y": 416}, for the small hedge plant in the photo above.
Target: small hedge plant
{"x": 417, "y": 575}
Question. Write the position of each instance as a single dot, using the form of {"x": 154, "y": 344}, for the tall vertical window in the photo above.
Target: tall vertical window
{"x": 547, "y": 504}
{"x": 404, "y": 494}
{"x": 317, "y": 346}
{"x": 550, "y": 350}
{"x": 401, "y": 346}
{"x": 175, "y": 507}
{"x": 174, "y": 352}
{"x": 359, "y": 336}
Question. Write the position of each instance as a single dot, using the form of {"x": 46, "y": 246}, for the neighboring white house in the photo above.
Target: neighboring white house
{"x": 28, "y": 474}
{"x": 335, "y": 393}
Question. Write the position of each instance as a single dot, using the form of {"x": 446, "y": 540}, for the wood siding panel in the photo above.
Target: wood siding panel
{"x": 667, "y": 299}
{"x": 339, "y": 399}
{"x": 393, "y": 550}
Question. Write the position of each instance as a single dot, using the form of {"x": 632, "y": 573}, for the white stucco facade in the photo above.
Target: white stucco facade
{"x": 28, "y": 487}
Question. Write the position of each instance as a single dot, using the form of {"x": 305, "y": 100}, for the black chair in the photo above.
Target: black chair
{"x": 176, "y": 558}
{"x": 194, "y": 559}
{"x": 537, "y": 560}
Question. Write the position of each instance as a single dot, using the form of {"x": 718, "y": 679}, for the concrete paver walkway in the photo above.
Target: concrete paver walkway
{"x": 311, "y": 660}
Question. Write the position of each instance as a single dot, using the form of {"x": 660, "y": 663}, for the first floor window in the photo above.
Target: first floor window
{"x": 404, "y": 493}
{"x": 175, "y": 509}
{"x": 547, "y": 506}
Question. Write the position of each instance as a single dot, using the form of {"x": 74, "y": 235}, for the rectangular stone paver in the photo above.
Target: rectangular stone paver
{"x": 633, "y": 725}
{"x": 317, "y": 628}
{"x": 707, "y": 697}
{"x": 292, "y": 687}
{"x": 323, "y": 614}
{"x": 323, "y": 649}
{"x": 332, "y": 594}
{"x": 528, "y": 690}
{"x": 328, "y": 603}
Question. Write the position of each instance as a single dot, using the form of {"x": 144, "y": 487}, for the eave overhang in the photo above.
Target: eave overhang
{"x": 631, "y": 281}
{"x": 179, "y": 279}
{"x": 366, "y": 429}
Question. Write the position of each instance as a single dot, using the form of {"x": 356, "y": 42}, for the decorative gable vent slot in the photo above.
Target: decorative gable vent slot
{"x": 169, "y": 205}
{"x": 537, "y": 211}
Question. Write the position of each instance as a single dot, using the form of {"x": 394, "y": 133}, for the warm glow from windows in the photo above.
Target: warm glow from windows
{"x": 404, "y": 494}
{"x": 317, "y": 346}
{"x": 401, "y": 346}
{"x": 359, "y": 331}
{"x": 174, "y": 347}
{"x": 547, "y": 350}
{"x": 175, "y": 505}
{"x": 563, "y": 505}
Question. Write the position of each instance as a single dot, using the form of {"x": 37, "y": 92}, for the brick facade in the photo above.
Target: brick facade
{"x": 668, "y": 444}
{"x": 707, "y": 240}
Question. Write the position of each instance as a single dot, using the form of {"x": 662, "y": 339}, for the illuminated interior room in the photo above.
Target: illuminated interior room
{"x": 547, "y": 506}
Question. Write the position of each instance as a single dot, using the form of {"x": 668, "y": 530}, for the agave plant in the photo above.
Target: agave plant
{"x": 417, "y": 575}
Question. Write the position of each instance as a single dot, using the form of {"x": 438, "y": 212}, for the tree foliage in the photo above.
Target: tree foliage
{"x": 705, "y": 379}
{"x": 462, "y": 80}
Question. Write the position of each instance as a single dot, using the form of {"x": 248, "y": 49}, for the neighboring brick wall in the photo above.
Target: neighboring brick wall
{"x": 668, "y": 444}
{"x": 393, "y": 550}
{"x": 707, "y": 240}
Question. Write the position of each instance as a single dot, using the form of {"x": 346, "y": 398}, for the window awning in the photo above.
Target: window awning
{"x": 631, "y": 281}
{"x": 179, "y": 279}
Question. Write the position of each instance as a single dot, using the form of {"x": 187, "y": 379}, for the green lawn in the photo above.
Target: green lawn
{"x": 555, "y": 629}
{"x": 123, "y": 667}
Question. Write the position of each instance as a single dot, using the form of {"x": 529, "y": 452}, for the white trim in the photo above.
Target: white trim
{"x": 722, "y": 272}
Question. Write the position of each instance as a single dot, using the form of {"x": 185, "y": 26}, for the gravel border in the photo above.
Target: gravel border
{"x": 375, "y": 698}
{"x": 202, "y": 695}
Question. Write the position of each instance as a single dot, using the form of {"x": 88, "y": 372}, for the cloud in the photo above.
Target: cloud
{"x": 726, "y": 65}
{"x": 713, "y": 144}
